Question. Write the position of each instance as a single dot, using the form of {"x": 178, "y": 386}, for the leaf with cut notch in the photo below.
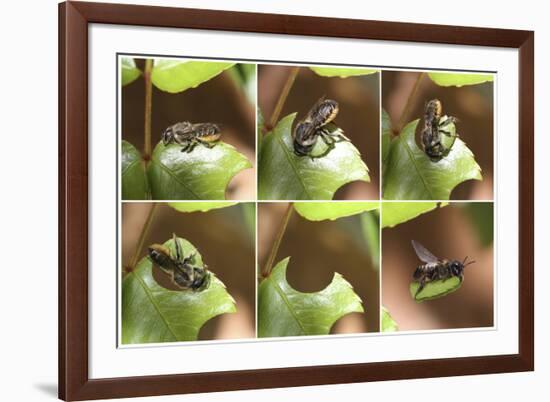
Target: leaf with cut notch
{"x": 134, "y": 179}
{"x": 286, "y": 176}
{"x": 152, "y": 313}
{"x": 176, "y": 76}
{"x": 342, "y": 72}
{"x": 409, "y": 174}
{"x": 202, "y": 174}
{"x": 283, "y": 311}
{"x": 459, "y": 79}
{"x": 318, "y": 211}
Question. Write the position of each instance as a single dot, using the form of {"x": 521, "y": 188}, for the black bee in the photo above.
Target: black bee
{"x": 434, "y": 125}
{"x": 180, "y": 268}
{"x": 318, "y": 123}
{"x": 189, "y": 135}
{"x": 435, "y": 269}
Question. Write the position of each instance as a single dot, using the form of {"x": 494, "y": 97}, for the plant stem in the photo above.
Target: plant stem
{"x": 273, "y": 253}
{"x": 142, "y": 236}
{"x": 148, "y": 107}
{"x": 410, "y": 102}
{"x": 282, "y": 97}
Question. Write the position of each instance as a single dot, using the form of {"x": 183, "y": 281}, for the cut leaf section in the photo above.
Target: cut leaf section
{"x": 129, "y": 71}
{"x": 152, "y": 313}
{"x": 408, "y": 174}
{"x": 318, "y": 211}
{"x": 394, "y": 213}
{"x": 202, "y": 174}
{"x": 176, "y": 76}
{"x": 283, "y": 311}
{"x": 388, "y": 323}
{"x": 435, "y": 289}
{"x": 458, "y": 80}
{"x": 342, "y": 72}
{"x": 199, "y": 206}
{"x": 286, "y": 176}
{"x": 134, "y": 179}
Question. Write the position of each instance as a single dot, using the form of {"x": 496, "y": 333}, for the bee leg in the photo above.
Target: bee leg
{"x": 208, "y": 145}
{"x": 185, "y": 147}
{"x": 422, "y": 284}
{"x": 191, "y": 146}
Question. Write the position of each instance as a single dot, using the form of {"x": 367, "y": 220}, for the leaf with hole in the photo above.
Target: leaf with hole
{"x": 342, "y": 72}
{"x": 153, "y": 313}
{"x": 286, "y": 176}
{"x": 408, "y": 174}
{"x": 318, "y": 211}
{"x": 202, "y": 174}
{"x": 176, "y": 76}
{"x": 134, "y": 179}
{"x": 458, "y": 79}
{"x": 435, "y": 289}
{"x": 128, "y": 71}
{"x": 283, "y": 311}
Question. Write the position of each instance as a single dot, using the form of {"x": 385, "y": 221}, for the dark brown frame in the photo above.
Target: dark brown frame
{"x": 74, "y": 17}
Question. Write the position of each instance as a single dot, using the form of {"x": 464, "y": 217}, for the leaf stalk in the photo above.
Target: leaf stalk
{"x": 275, "y": 248}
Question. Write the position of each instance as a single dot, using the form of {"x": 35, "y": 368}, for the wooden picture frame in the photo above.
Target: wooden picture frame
{"x": 74, "y": 19}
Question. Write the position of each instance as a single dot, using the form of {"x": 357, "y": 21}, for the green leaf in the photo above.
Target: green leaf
{"x": 409, "y": 174}
{"x": 285, "y": 176}
{"x": 134, "y": 179}
{"x": 202, "y": 174}
{"x": 394, "y": 213}
{"x": 458, "y": 80}
{"x": 129, "y": 71}
{"x": 435, "y": 289}
{"x": 176, "y": 76}
{"x": 388, "y": 323}
{"x": 200, "y": 206}
{"x": 283, "y": 311}
{"x": 342, "y": 72}
{"x": 249, "y": 215}
{"x": 370, "y": 226}
{"x": 386, "y": 135}
{"x": 318, "y": 211}
{"x": 152, "y": 313}
{"x": 244, "y": 77}
{"x": 481, "y": 218}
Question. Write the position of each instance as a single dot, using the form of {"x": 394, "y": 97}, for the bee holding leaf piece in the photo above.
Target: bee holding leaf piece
{"x": 319, "y": 122}
{"x": 435, "y": 269}
{"x": 435, "y": 125}
{"x": 180, "y": 268}
{"x": 188, "y": 135}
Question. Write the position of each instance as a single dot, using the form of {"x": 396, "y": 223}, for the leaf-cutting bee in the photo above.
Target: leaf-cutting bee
{"x": 318, "y": 123}
{"x": 188, "y": 135}
{"x": 434, "y": 126}
{"x": 435, "y": 269}
{"x": 183, "y": 273}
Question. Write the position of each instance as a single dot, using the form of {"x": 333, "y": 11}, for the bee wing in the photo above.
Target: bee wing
{"x": 423, "y": 253}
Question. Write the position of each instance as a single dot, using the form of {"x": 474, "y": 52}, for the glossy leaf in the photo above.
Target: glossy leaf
{"x": 388, "y": 323}
{"x": 409, "y": 174}
{"x": 129, "y": 71}
{"x": 435, "y": 289}
{"x": 152, "y": 313}
{"x": 285, "y": 176}
{"x": 394, "y": 213}
{"x": 202, "y": 174}
{"x": 283, "y": 311}
{"x": 200, "y": 206}
{"x": 342, "y": 72}
{"x": 458, "y": 80}
{"x": 176, "y": 76}
{"x": 134, "y": 179}
{"x": 318, "y": 211}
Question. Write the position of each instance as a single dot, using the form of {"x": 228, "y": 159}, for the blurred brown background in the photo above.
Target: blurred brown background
{"x": 317, "y": 251}
{"x": 451, "y": 232}
{"x": 223, "y": 237}
{"x": 219, "y": 100}
{"x": 358, "y": 98}
{"x": 471, "y": 104}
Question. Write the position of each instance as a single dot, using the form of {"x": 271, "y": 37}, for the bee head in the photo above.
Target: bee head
{"x": 457, "y": 268}
{"x": 304, "y": 138}
{"x": 434, "y": 108}
{"x": 168, "y": 136}
{"x": 201, "y": 280}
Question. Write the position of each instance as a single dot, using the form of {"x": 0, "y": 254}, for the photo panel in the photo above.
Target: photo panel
{"x": 437, "y": 135}
{"x": 438, "y": 265}
{"x": 318, "y": 133}
{"x": 183, "y": 281}
{"x": 188, "y": 129}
